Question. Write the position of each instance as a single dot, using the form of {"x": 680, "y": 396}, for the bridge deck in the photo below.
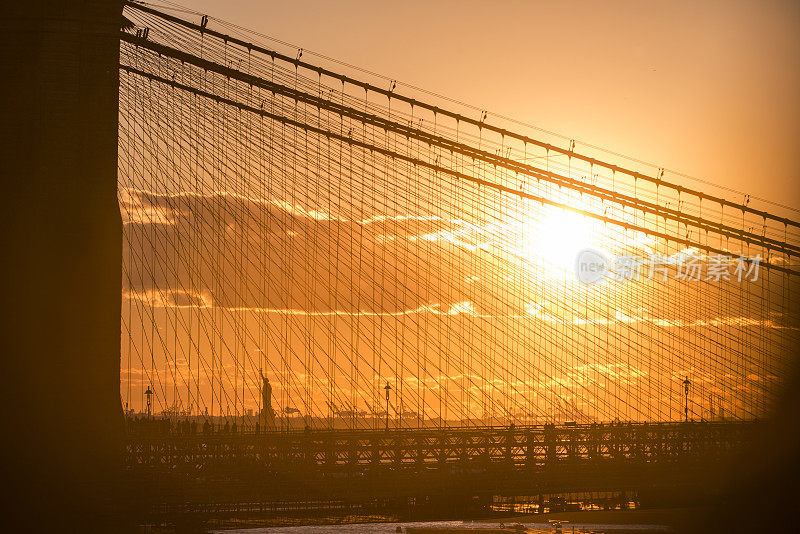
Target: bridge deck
{"x": 362, "y": 465}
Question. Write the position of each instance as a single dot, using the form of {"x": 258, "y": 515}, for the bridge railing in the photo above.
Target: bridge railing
{"x": 524, "y": 446}
{"x": 168, "y": 427}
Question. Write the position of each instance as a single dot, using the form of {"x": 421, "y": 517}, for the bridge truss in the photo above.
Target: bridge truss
{"x": 335, "y": 235}
{"x": 345, "y": 466}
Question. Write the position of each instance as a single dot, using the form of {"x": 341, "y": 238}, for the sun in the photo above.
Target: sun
{"x": 553, "y": 237}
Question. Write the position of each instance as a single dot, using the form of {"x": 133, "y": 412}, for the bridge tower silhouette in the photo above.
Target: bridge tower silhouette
{"x": 62, "y": 240}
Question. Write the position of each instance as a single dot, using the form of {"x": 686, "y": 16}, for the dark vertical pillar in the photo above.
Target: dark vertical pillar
{"x": 61, "y": 227}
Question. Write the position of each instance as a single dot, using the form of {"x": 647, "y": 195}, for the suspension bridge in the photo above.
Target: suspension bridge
{"x": 339, "y": 289}
{"x": 334, "y": 290}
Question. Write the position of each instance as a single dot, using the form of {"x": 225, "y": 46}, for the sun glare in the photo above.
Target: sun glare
{"x": 555, "y": 237}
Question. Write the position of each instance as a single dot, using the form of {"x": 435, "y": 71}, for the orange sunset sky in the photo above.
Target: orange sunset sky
{"x": 704, "y": 88}
{"x": 254, "y": 245}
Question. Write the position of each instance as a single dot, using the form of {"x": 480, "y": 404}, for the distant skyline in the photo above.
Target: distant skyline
{"x": 708, "y": 89}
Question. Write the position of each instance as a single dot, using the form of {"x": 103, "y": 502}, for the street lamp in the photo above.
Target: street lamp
{"x": 149, "y": 395}
{"x": 686, "y": 385}
{"x": 387, "y": 388}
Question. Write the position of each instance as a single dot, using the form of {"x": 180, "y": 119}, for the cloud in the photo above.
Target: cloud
{"x": 274, "y": 256}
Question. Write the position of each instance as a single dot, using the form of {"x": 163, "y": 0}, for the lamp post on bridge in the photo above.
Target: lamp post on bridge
{"x": 149, "y": 395}
{"x": 387, "y": 388}
{"x": 686, "y": 385}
